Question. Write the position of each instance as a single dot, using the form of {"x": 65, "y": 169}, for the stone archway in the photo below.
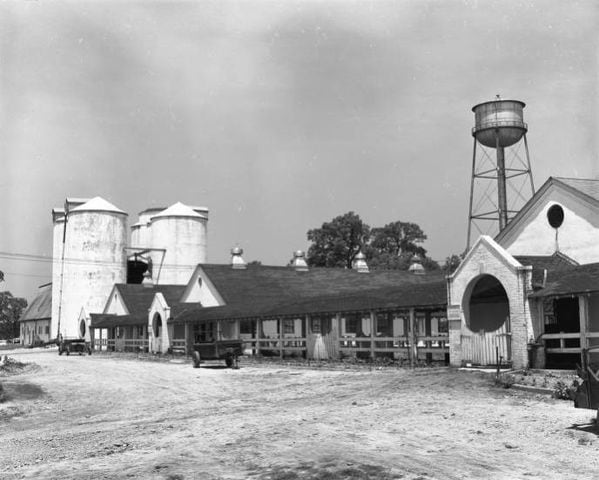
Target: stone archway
{"x": 486, "y": 307}
{"x": 157, "y": 330}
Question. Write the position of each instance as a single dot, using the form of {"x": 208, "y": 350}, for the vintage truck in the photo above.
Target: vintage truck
{"x": 74, "y": 345}
{"x": 227, "y": 350}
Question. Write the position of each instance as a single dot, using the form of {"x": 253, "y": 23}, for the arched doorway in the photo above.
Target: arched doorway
{"x": 157, "y": 333}
{"x": 486, "y": 309}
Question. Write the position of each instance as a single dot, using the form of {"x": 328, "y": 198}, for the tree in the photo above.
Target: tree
{"x": 337, "y": 242}
{"x": 452, "y": 263}
{"x": 398, "y": 239}
{"x": 11, "y": 309}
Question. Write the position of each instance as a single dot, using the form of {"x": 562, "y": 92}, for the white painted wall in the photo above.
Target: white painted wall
{"x": 578, "y": 237}
{"x": 95, "y": 261}
{"x": 184, "y": 239}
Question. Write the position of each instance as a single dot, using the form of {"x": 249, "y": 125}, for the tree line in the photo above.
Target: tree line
{"x": 337, "y": 242}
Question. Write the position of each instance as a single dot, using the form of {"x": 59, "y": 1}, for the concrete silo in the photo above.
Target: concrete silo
{"x": 94, "y": 260}
{"x": 140, "y": 231}
{"x": 57, "y": 234}
{"x": 182, "y": 231}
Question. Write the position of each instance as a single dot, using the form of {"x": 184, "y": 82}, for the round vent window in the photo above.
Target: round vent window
{"x": 555, "y": 216}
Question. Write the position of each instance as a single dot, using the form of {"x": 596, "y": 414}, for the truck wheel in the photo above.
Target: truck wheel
{"x": 229, "y": 362}
{"x": 195, "y": 356}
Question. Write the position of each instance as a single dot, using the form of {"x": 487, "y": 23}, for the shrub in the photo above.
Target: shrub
{"x": 564, "y": 391}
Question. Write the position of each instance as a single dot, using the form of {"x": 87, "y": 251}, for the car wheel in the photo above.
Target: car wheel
{"x": 195, "y": 356}
{"x": 229, "y": 362}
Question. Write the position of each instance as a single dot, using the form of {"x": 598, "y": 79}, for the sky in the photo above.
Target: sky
{"x": 279, "y": 115}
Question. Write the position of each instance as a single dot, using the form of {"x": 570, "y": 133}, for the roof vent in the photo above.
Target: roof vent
{"x": 359, "y": 264}
{"x": 147, "y": 281}
{"x": 237, "y": 261}
{"x": 299, "y": 261}
{"x": 416, "y": 265}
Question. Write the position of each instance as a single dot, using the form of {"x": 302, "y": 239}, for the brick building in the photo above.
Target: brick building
{"x": 530, "y": 297}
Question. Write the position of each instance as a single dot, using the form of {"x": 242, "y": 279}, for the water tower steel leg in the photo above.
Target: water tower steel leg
{"x": 532, "y": 185}
{"x": 471, "y": 195}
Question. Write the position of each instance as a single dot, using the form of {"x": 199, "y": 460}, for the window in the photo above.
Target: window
{"x": 555, "y": 216}
{"x": 288, "y": 326}
{"x": 351, "y": 323}
{"x": 315, "y": 324}
{"x": 246, "y": 327}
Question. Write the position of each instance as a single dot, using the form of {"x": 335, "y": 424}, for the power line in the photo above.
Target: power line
{"x": 26, "y": 257}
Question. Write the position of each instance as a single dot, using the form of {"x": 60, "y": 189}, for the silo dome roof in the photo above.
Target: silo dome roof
{"x": 98, "y": 204}
{"x": 178, "y": 210}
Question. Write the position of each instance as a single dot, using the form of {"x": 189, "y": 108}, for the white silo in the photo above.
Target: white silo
{"x": 57, "y": 234}
{"x": 140, "y": 232}
{"x": 182, "y": 231}
{"x": 94, "y": 260}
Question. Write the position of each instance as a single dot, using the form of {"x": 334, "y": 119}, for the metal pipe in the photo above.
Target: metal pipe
{"x": 501, "y": 189}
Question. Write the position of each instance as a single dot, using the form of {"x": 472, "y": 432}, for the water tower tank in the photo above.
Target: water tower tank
{"x": 182, "y": 231}
{"x": 95, "y": 259}
{"x": 499, "y": 123}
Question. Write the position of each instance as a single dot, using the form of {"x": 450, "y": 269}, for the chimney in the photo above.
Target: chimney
{"x": 416, "y": 266}
{"x": 237, "y": 261}
{"x": 299, "y": 261}
{"x": 359, "y": 264}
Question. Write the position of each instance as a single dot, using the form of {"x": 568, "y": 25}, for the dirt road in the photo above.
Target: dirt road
{"x": 110, "y": 417}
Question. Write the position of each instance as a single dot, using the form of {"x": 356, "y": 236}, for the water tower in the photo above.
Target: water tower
{"x": 499, "y": 164}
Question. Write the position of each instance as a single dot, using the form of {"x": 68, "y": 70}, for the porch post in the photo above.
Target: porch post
{"x": 280, "y": 320}
{"x": 583, "y": 315}
{"x": 309, "y": 348}
{"x": 413, "y": 337}
{"x": 188, "y": 345}
{"x": 428, "y": 332}
{"x": 91, "y": 338}
{"x": 258, "y": 334}
{"x": 372, "y": 332}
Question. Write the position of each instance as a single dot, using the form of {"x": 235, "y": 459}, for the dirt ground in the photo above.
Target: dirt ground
{"x": 105, "y": 416}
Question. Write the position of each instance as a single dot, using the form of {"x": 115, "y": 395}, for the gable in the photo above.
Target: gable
{"x": 486, "y": 251}
{"x": 578, "y": 236}
{"x": 115, "y": 303}
{"x": 201, "y": 290}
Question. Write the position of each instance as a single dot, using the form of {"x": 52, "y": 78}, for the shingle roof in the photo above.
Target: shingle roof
{"x": 107, "y": 320}
{"x": 267, "y": 291}
{"x": 557, "y": 261}
{"x": 574, "y": 280}
{"x": 41, "y": 306}
{"x": 589, "y": 187}
{"x": 138, "y": 298}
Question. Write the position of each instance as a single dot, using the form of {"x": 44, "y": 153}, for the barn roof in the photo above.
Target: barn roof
{"x": 41, "y": 306}
{"x": 138, "y": 299}
{"x": 269, "y": 291}
{"x": 586, "y": 186}
{"x": 574, "y": 280}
